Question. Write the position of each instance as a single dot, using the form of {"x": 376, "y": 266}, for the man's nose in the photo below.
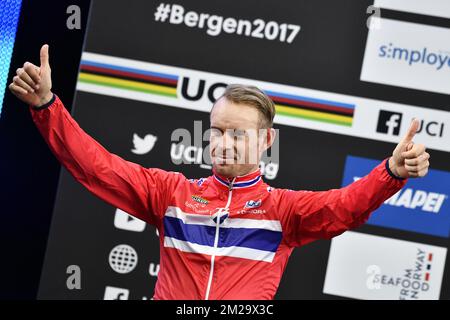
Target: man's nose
{"x": 225, "y": 149}
{"x": 228, "y": 141}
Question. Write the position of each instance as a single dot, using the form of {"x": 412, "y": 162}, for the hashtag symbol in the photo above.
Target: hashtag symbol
{"x": 162, "y": 12}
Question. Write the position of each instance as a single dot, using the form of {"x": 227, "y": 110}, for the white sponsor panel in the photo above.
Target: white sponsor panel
{"x": 370, "y": 119}
{"x": 365, "y": 117}
{"x": 115, "y": 293}
{"x": 438, "y": 8}
{"x": 363, "y": 266}
{"x": 408, "y": 55}
{"x": 124, "y": 221}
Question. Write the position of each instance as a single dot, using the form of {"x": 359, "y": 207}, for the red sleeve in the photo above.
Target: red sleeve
{"x": 310, "y": 215}
{"x": 141, "y": 192}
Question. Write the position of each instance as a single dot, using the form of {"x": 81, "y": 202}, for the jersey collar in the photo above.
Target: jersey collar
{"x": 245, "y": 181}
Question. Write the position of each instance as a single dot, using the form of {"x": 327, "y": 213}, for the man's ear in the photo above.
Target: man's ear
{"x": 271, "y": 135}
{"x": 269, "y": 138}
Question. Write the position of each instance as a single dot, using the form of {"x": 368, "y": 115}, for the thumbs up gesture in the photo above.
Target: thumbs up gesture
{"x": 32, "y": 84}
{"x": 409, "y": 159}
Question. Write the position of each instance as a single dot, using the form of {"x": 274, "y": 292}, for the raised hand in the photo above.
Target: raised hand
{"x": 410, "y": 159}
{"x": 32, "y": 84}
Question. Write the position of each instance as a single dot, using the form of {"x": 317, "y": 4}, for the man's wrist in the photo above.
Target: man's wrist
{"x": 391, "y": 168}
{"x": 46, "y": 101}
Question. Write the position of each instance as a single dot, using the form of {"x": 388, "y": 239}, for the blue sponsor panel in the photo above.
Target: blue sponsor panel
{"x": 9, "y": 19}
{"x": 422, "y": 205}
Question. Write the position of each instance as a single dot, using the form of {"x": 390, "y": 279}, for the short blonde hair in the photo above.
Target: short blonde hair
{"x": 252, "y": 96}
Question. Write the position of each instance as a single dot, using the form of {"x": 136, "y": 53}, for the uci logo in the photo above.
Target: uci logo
{"x": 194, "y": 89}
{"x": 252, "y": 204}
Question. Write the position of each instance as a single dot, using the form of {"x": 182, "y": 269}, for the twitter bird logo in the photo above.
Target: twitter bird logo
{"x": 143, "y": 145}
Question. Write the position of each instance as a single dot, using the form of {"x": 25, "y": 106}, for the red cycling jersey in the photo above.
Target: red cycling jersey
{"x": 219, "y": 238}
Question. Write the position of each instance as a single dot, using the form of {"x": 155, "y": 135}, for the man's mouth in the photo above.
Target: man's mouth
{"x": 222, "y": 160}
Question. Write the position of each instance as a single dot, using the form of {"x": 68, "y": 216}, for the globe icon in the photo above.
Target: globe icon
{"x": 123, "y": 258}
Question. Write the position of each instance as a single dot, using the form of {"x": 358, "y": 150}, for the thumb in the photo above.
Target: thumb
{"x": 413, "y": 127}
{"x": 409, "y": 146}
{"x": 44, "y": 56}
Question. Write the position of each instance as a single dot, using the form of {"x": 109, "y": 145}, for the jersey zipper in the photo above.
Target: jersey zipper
{"x": 216, "y": 237}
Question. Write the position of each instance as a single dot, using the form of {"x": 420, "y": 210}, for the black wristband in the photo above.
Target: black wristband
{"x": 391, "y": 173}
{"x": 48, "y": 104}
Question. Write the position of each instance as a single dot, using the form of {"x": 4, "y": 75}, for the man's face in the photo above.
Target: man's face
{"x": 236, "y": 146}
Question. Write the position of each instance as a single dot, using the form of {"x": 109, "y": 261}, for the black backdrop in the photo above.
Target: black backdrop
{"x": 29, "y": 172}
{"x": 326, "y": 56}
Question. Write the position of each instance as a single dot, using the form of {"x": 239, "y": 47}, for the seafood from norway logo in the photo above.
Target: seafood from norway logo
{"x": 415, "y": 279}
{"x": 385, "y": 268}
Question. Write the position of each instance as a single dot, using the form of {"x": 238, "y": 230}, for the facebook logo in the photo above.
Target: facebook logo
{"x": 114, "y": 293}
{"x": 389, "y": 122}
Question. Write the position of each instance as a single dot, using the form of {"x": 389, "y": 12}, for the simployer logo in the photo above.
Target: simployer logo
{"x": 364, "y": 266}
{"x": 408, "y": 55}
{"x": 421, "y": 206}
{"x": 390, "y": 122}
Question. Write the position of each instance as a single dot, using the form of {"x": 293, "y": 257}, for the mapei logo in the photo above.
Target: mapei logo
{"x": 420, "y": 206}
{"x": 252, "y": 204}
{"x": 418, "y": 199}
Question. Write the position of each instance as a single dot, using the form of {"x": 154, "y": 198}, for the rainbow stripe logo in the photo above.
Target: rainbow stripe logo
{"x": 312, "y": 109}
{"x": 155, "y": 82}
{"x": 128, "y": 78}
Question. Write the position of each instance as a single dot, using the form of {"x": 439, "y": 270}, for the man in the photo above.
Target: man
{"x": 228, "y": 236}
